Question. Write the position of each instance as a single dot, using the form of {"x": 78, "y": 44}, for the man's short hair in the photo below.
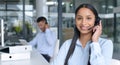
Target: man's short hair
{"x": 42, "y": 19}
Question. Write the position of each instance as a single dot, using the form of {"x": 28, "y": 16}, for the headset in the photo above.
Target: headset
{"x": 97, "y": 21}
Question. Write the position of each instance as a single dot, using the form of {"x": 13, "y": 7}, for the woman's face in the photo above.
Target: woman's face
{"x": 85, "y": 20}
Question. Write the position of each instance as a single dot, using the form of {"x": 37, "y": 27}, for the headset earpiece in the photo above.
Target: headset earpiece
{"x": 97, "y": 21}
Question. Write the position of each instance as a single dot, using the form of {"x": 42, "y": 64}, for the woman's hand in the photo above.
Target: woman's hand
{"x": 97, "y": 31}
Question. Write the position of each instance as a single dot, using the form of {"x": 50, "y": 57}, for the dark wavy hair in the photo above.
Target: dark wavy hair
{"x": 77, "y": 32}
{"x": 39, "y": 19}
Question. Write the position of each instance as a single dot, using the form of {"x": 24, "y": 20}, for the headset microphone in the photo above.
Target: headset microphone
{"x": 90, "y": 27}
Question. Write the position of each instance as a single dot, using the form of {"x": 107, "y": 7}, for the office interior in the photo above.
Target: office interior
{"x": 20, "y": 15}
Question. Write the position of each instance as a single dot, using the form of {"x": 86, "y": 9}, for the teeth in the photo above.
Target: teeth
{"x": 84, "y": 28}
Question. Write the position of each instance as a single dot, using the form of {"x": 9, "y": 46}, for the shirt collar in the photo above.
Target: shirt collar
{"x": 79, "y": 43}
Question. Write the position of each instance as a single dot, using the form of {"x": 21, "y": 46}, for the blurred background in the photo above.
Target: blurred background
{"x": 20, "y": 16}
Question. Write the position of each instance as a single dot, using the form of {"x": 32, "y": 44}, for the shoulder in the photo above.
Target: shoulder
{"x": 38, "y": 34}
{"x": 66, "y": 44}
{"x": 104, "y": 41}
{"x": 49, "y": 30}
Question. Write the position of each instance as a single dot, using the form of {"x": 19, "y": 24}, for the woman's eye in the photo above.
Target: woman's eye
{"x": 79, "y": 18}
{"x": 88, "y": 18}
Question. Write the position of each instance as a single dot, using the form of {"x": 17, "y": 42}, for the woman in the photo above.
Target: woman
{"x": 86, "y": 47}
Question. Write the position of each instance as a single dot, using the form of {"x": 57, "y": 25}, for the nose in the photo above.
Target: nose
{"x": 84, "y": 22}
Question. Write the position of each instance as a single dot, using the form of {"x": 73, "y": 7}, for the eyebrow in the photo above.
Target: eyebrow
{"x": 81, "y": 16}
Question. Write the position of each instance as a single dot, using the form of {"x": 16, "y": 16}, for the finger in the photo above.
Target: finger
{"x": 100, "y": 24}
{"x": 94, "y": 29}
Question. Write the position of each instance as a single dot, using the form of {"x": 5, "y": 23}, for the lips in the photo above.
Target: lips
{"x": 84, "y": 28}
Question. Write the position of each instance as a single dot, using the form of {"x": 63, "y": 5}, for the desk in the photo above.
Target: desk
{"x": 36, "y": 59}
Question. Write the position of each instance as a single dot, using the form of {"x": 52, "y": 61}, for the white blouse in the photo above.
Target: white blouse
{"x": 101, "y": 53}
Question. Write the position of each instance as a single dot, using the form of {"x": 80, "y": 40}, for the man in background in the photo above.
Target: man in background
{"x": 44, "y": 40}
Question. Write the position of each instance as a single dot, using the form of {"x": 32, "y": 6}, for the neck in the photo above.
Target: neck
{"x": 43, "y": 29}
{"x": 84, "y": 38}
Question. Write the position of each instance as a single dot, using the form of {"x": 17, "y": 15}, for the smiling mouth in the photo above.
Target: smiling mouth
{"x": 84, "y": 28}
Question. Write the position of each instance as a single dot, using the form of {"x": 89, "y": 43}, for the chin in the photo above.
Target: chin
{"x": 85, "y": 32}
